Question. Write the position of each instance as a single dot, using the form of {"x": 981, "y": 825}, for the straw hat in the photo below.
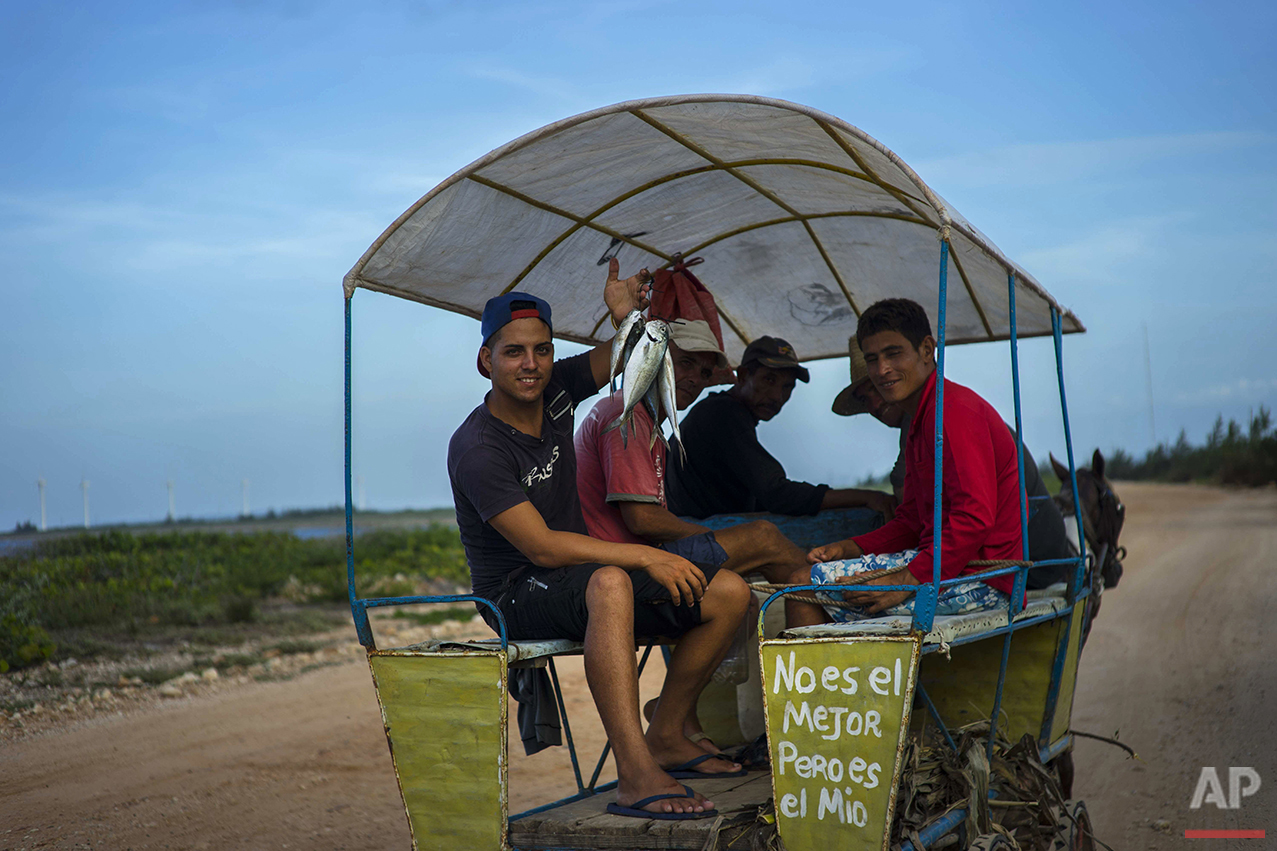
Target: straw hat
{"x": 846, "y": 404}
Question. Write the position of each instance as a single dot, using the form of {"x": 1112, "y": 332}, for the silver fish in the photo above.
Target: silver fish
{"x": 640, "y": 372}
{"x": 627, "y": 336}
{"x": 652, "y": 401}
{"x": 665, "y": 384}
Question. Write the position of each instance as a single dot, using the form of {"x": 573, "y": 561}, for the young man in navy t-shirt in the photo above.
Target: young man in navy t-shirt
{"x": 512, "y": 467}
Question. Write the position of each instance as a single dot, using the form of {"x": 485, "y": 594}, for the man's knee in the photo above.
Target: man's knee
{"x": 732, "y": 590}
{"x": 609, "y": 583}
{"x": 800, "y": 576}
{"x": 769, "y": 536}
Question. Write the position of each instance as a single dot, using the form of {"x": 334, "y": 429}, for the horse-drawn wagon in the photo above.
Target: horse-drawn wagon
{"x": 802, "y": 220}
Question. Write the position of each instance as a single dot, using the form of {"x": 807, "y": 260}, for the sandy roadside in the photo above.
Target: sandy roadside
{"x": 1176, "y": 663}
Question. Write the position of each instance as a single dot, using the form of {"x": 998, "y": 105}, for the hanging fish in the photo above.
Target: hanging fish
{"x": 627, "y": 335}
{"x": 666, "y": 390}
{"x": 652, "y": 401}
{"x": 641, "y": 369}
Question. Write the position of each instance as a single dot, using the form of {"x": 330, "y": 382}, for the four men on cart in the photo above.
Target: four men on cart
{"x": 585, "y": 538}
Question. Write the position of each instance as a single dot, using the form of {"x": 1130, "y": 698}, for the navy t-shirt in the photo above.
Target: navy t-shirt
{"x": 728, "y": 471}
{"x": 493, "y": 466}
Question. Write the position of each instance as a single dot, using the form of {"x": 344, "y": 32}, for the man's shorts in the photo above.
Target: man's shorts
{"x": 974, "y": 596}
{"x": 699, "y": 549}
{"x": 545, "y": 602}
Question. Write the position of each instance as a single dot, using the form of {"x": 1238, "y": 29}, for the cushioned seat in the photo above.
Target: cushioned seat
{"x": 947, "y": 628}
{"x": 518, "y": 651}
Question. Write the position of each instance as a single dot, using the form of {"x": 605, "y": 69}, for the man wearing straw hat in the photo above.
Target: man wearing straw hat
{"x": 1048, "y": 539}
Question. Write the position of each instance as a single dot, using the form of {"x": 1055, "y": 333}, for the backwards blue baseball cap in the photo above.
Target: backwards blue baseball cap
{"x": 504, "y": 309}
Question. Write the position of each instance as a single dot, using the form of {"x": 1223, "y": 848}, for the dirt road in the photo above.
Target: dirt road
{"x": 1177, "y": 663}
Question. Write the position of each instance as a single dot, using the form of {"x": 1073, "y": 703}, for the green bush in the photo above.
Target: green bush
{"x": 201, "y": 578}
{"x": 22, "y": 644}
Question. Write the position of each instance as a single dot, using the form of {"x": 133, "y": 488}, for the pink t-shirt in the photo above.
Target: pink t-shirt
{"x": 608, "y": 472}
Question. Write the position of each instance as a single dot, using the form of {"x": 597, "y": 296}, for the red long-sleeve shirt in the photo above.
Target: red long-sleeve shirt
{"x": 980, "y": 512}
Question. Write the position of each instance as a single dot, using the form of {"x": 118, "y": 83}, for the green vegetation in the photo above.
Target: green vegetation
{"x": 198, "y": 579}
{"x": 1232, "y": 455}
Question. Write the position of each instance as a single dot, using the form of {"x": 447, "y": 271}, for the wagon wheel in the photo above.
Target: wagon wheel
{"x": 1078, "y": 828}
{"x": 1063, "y": 765}
{"x": 991, "y": 842}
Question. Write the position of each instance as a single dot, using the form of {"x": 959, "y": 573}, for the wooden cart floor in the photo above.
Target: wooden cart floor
{"x": 587, "y": 825}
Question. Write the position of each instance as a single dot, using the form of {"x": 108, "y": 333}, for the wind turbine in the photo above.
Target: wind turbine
{"x": 44, "y": 517}
{"x": 84, "y": 486}
{"x": 172, "y": 505}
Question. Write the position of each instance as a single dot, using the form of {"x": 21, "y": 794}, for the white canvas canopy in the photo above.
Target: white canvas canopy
{"x": 802, "y": 220}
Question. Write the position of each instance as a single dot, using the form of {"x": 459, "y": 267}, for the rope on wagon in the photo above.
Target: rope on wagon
{"x": 988, "y": 565}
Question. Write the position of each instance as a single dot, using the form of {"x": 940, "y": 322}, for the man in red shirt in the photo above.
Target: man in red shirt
{"x": 622, "y": 483}
{"x": 981, "y": 509}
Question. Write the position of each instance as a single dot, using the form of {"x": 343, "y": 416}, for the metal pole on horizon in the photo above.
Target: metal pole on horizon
{"x": 44, "y": 517}
{"x": 172, "y": 504}
{"x": 84, "y": 486}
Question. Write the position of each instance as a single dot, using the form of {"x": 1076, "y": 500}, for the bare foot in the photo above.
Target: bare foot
{"x": 631, "y": 790}
{"x": 691, "y": 729}
{"x": 677, "y": 750}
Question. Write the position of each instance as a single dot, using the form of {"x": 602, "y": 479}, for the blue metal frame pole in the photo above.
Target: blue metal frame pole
{"x": 1057, "y": 333}
{"x": 924, "y": 610}
{"x": 1022, "y": 575}
{"x": 1075, "y": 587}
{"x": 1019, "y": 422}
{"x": 357, "y": 611}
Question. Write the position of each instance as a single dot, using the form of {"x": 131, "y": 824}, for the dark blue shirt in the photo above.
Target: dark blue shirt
{"x": 493, "y": 466}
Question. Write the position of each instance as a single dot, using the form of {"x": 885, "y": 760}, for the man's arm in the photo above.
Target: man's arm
{"x": 524, "y": 527}
{"x": 883, "y": 503}
{"x": 899, "y": 533}
{"x": 649, "y": 520}
{"x": 620, "y": 296}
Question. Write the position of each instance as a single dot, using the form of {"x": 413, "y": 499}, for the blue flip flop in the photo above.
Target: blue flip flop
{"x": 636, "y": 809}
{"x": 687, "y": 769}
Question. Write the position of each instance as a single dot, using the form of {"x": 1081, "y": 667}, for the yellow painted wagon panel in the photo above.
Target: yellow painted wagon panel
{"x": 837, "y": 714}
{"x": 445, "y": 718}
{"x": 964, "y": 686}
{"x": 1064, "y": 704}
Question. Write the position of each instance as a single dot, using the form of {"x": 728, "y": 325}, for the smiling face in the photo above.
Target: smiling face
{"x": 897, "y": 370}
{"x": 692, "y": 374}
{"x": 765, "y": 390}
{"x": 877, "y": 407}
{"x": 520, "y": 356}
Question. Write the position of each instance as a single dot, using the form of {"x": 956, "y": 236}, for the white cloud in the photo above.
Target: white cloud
{"x": 1242, "y": 390}
{"x": 1095, "y": 254}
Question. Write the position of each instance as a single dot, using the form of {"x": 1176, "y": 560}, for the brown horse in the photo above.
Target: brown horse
{"x": 1102, "y": 514}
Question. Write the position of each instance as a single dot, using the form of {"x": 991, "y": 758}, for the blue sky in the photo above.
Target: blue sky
{"x": 182, "y": 187}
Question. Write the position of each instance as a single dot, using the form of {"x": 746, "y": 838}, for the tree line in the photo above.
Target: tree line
{"x": 1233, "y": 454}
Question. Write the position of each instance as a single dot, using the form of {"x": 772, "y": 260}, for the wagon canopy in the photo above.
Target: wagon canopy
{"x": 802, "y": 219}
